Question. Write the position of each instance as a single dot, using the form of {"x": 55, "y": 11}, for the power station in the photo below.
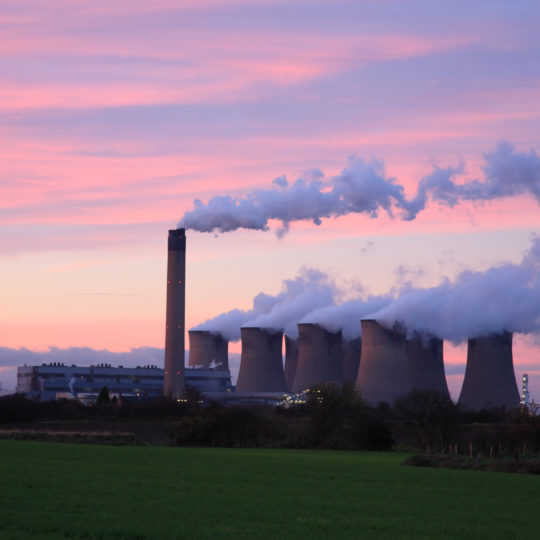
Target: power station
{"x": 384, "y": 364}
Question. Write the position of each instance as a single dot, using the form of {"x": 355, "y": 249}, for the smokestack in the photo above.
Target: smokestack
{"x": 176, "y": 305}
{"x": 351, "y": 359}
{"x": 261, "y": 362}
{"x": 319, "y": 357}
{"x": 425, "y": 355}
{"x": 489, "y": 376}
{"x": 206, "y": 348}
{"x": 291, "y": 361}
{"x": 384, "y": 373}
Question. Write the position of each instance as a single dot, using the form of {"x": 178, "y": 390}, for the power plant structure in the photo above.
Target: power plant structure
{"x": 208, "y": 349}
{"x": 383, "y": 364}
{"x": 489, "y": 375}
{"x": 291, "y": 361}
{"x": 426, "y": 364}
{"x": 173, "y": 382}
{"x": 384, "y": 373}
{"x": 261, "y": 361}
{"x": 319, "y": 357}
{"x": 351, "y": 359}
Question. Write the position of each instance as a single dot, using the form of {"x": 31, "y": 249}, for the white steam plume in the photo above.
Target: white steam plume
{"x": 298, "y": 296}
{"x": 505, "y": 297}
{"x": 346, "y": 316}
{"x": 363, "y": 188}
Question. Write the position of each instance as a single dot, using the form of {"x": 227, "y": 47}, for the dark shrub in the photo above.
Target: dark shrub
{"x": 17, "y": 408}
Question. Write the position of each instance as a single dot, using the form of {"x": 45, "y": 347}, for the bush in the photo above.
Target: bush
{"x": 17, "y": 408}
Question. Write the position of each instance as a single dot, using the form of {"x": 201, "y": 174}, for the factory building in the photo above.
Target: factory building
{"x": 208, "y": 349}
{"x": 319, "y": 357}
{"x": 261, "y": 361}
{"x": 426, "y": 363}
{"x": 384, "y": 373}
{"x": 489, "y": 376}
{"x": 56, "y": 380}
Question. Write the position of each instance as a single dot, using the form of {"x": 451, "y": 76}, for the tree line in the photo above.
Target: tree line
{"x": 332, "y": 417}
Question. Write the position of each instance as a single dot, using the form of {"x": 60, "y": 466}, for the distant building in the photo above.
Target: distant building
{"x": 57, "y": 380}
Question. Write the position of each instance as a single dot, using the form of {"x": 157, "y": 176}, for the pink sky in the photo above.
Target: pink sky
{"x": 115, "y": 116}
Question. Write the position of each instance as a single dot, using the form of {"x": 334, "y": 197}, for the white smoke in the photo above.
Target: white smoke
{"x": 298, "y": 296}
{"x": 346, "y": 316}
{"x": 363, "y": 188}
{"x": 503, "y": 298}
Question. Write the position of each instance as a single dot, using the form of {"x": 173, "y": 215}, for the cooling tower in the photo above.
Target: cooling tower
{"x": 261, "y": 362}
{"x": 425, "y": 355}
{"x": 351, "y": 359}
{"x": 291, "y": 360}
{"x": 208, "y": 349}
{"x": 489, "y": 376}
{"x": 173, "y": 382}
{"x": 319, "y": 357}
{"x": 384, "y": 373}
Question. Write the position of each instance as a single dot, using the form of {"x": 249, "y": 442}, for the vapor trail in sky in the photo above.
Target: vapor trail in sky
{"x": 363, "y": 188}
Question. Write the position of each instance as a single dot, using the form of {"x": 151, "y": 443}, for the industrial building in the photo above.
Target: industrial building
{"x": 384, "y": 373}
{"x": 383, "y": 364}
{"x": 208, "y": 349}
{"x": 319, "y": 357}
{"x": 261, "y": 361}
{"x": 56, "y": 380}
{"x": 489, "y": 375}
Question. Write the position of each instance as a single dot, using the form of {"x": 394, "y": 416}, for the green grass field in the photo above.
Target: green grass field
{"x": 54, "y": 490}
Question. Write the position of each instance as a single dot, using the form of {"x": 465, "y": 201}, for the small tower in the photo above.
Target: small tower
{"x": 525, "y": 389}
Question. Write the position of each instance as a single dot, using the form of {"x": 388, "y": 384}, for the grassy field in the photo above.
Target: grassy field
{"x": 54, "y": 490}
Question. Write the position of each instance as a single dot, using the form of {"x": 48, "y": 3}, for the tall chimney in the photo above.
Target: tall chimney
{"x": 489, "y": 376}
{"x": 206, "y": 348}
{"x": 319, "y": 357}
{"x": 384, "y": 373}
{"x": 426, "y": 363}
{"x": 261, "y": 362}
{"x": 176, "y": 306}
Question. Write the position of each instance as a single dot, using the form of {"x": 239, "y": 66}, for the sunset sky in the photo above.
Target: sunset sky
{"x": 116, "y": 115}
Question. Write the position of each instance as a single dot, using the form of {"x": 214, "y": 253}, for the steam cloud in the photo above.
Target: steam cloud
{"x": 363, "y": 188}
{"x": 503, "y": 298}
{"x": 309, "y": 290}
{"x": 346, "y": 316}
